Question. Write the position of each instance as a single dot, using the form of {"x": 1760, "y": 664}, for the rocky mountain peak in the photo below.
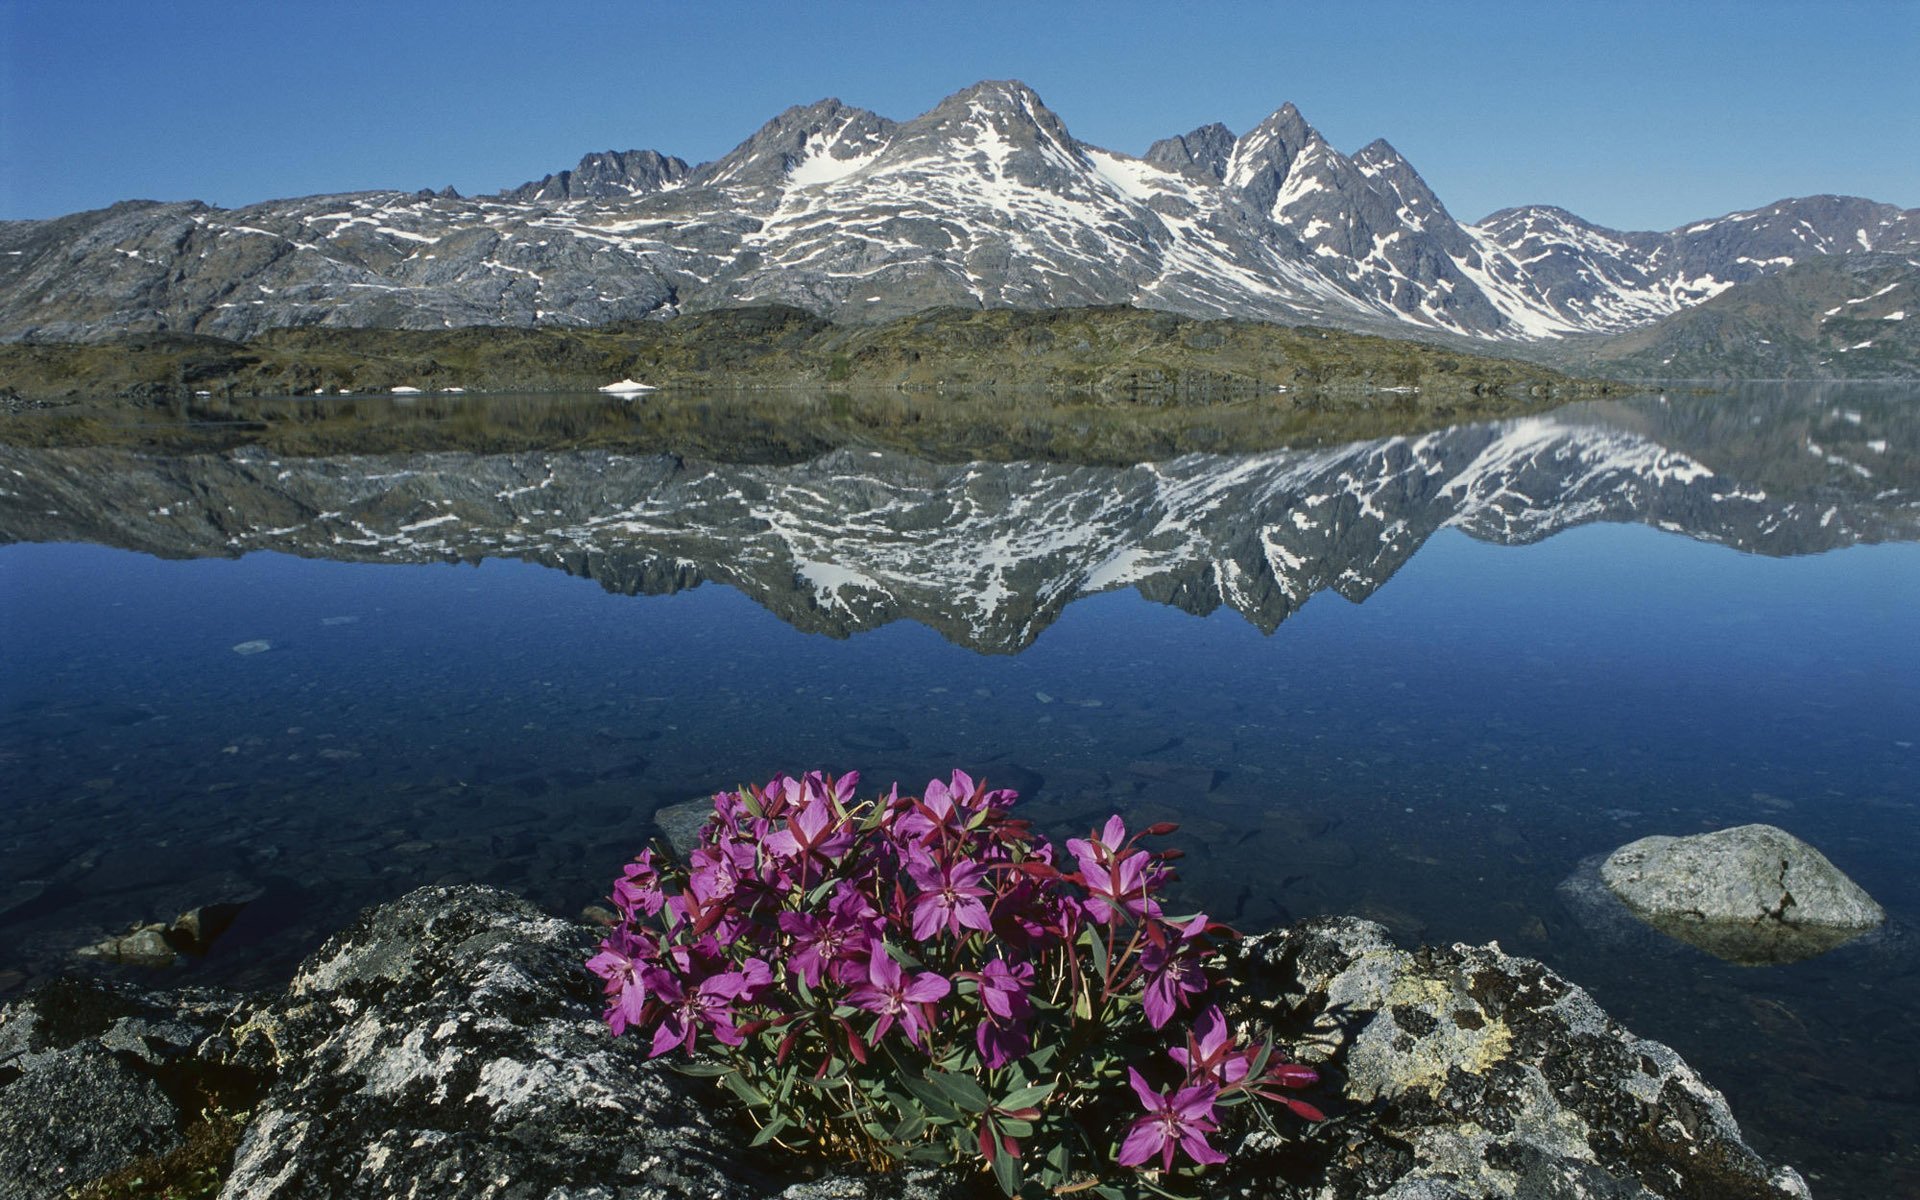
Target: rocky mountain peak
{"x": 1000, "y": 128}
{"x": 986, "y": 200}
{"x": 1204, "y": 151}
{"x": 1264, "y": 159}
{"x": 610, "y": 174}
{"x": 1391, "y": 174}
{"x": 825, "y": 129}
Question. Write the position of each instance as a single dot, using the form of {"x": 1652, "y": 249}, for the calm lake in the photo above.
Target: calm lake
{"x": 1417, "y": 678}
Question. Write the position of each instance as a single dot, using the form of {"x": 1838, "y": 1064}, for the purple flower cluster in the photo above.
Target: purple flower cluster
{"x": 934, "y": 936}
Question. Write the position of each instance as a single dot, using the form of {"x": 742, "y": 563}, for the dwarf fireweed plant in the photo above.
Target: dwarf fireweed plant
{"x": 922, "y": 979}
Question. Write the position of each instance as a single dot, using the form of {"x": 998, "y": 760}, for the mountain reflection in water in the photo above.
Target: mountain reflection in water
{"x": 1440, "y": 757}
{"x": 989, "y": 554}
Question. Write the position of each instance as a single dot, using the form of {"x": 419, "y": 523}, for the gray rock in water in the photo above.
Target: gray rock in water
{"x": 1481, "y": 1075}
{"x": 681, "y": 823}
{"x": 141, "y": 946}
{"x": 1751, "y": 894}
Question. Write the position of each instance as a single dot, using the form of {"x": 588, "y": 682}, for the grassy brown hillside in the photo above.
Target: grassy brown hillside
{"x": 1113, "y": 352}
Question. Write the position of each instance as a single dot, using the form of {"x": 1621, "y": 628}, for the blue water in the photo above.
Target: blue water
{"x": 1439, "y": 757}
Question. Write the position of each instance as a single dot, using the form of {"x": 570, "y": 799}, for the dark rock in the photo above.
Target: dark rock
{"x": 193, "y": 931}
{"x": 1481, "y": 1075}
{"x": 92, "y": 1077}
{"x": 680, "y": 824}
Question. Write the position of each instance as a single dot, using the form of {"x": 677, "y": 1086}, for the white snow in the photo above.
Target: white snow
{"x": 404, "y": 390}
{"x": 821, "y": 167}
{"x": 1895, "y": 316}
{"x": 1130, "y": 176}
{"x": 627, "y": 387}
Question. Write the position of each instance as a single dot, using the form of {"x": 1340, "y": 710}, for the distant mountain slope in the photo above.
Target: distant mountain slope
{"x": 985, "y": 201}
{"x": 1854, "y": 317}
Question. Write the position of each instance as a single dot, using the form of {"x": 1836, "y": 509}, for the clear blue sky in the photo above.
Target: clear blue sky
{"x": 1635, "y": 115}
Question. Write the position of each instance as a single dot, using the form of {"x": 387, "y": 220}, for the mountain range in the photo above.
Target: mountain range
{"x": 985, "y": 201}
{"x": 989, "y": 554}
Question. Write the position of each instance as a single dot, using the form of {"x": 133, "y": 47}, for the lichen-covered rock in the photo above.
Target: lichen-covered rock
{"x": 1466, "y": 1073}
{"x": 91, "y": 1077}
{"x": 1749, "y": 894}
{"x": 449, "y": 1045}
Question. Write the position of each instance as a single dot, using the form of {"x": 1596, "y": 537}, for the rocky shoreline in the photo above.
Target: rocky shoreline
{"x": 448, "y": 1044}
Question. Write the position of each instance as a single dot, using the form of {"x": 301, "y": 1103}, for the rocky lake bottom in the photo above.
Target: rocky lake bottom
{"x": 1418, "y": 680}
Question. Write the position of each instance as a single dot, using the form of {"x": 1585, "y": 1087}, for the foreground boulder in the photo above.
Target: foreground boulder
{"x": 1468, "y": 1074}
{"x": 1751, "y": 894}
{"x": 449, "y": 1045}
{"x": 95, "y": 1077}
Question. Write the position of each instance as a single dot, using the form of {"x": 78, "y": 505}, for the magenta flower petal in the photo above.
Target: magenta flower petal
{"x": 1142, "y": 1143}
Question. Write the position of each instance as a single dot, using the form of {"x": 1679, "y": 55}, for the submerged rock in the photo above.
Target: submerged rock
{"x": 141, "y": 946}
{"x": 1750, "y": 894}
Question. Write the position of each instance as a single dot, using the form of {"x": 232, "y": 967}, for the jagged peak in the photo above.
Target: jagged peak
{"x": 1007, "y": 92}
{"x": 782, "y": 144}
{"x": 1005, "y": 101}
{"x": 627, "y": 172}
{"x": 1522, "y": 212}
{"x": 1379, "y": 153}
{"x": 1266, "y": 153}
{"x": 1204, "y": 150}
{"x": 1386, "y": 167}
{"x": 1004, "y": 120}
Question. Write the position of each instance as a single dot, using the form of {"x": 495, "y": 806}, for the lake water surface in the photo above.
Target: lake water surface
{"x": 1419, "y": 679}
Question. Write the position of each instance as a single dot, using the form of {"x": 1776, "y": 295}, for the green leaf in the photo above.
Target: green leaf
{"x": 1098, "y": 946}
{"x": 1015, "y": 1127}
{"x": 1026, "y": 1097}
{"x": 702, "y": 1070}
{"x": 910, "y": 1129}
{"x": 933, "y": 1098}
{"x": 901, "y": 956}
{"x": 770, "y": 1131}
{"x": 1058, "y": 1159}
{"x": 752, "y": 805}
{"x": 1006, "y": 1171}
{"x": 746, "y": 1091}
{"x": 963, "y": 1092}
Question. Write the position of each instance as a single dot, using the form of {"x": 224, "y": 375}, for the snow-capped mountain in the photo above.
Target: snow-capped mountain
{"x": 990, "y": 554}
{"x": 987, "y": 200}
